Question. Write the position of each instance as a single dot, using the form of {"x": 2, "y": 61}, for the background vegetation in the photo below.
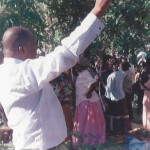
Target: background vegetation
{"x": 127, "y": 23}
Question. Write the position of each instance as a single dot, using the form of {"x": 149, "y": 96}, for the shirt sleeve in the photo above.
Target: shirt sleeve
{"x": 65, "y": 56}
{"x": 83, "y": 35}
{"x": 110, "y": 84}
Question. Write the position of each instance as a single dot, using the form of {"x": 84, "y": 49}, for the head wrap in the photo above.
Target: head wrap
{"x": 83, "y": 61}
{"x": 141, "y": 58}
{"x": 141, "y": 54}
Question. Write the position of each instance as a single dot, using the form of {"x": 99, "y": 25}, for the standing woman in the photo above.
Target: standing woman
{"x": 117, "y": 112}
{"x": 145, "y": 83}
{"x": 89, "y": 120}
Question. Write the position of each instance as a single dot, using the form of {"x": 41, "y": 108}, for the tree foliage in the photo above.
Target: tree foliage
{"x": 127, "y": 22}
{"x": 24, "y": 13}
{"x": 128, "y": 25}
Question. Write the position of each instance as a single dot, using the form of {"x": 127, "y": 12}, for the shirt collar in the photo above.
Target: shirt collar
{"x": 12, "y": 60}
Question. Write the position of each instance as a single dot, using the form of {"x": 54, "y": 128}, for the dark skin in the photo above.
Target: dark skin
{"x": 19, "y": 43}
{"x": 15, "y": 47}
{"x": 91, "y": 89}
{"x": 100, "y": 7}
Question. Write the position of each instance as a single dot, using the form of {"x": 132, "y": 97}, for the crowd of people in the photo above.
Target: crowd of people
{"x": 97, "y": 98}
{"x": 102, "y": 96}
{"x": 31, "y": 106}
{"x": 94, "y": 100}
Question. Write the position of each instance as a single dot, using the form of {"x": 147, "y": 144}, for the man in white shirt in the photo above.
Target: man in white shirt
{"x": 31, "y": 106}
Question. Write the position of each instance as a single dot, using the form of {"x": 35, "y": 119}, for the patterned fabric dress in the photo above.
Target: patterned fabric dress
{"x": 64, "y": 91}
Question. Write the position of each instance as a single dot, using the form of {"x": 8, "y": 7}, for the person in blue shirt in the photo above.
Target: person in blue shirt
{"x": 117, "y": 111}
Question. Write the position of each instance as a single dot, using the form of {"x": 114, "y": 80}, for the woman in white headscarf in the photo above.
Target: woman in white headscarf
{"x": 89, "y": 120}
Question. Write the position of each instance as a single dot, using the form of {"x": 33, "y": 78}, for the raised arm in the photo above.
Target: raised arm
{"x": 100, "y": 7}
{"x": 66, "y": 55}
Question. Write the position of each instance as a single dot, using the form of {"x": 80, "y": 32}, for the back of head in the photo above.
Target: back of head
{"x": 125, "y": 66}
{"x": 15, "y": 37}
{"x": 115, "y": 64}
{"x": 82, "y": 64}
{"x": 105, "y": 60}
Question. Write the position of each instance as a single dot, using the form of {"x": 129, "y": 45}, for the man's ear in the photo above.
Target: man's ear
{"x": 21, "y": 50}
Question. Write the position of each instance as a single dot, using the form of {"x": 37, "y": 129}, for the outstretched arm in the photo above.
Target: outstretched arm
{"x": 67, "y": 54}
{"x": 100, "y": 7}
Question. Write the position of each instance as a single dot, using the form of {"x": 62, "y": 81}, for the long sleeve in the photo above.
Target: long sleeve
{"x": 83, "y": 35}
{"x": 66, "y": 55}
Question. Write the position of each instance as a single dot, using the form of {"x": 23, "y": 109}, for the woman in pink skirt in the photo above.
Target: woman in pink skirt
{"x": 89, "y": 123}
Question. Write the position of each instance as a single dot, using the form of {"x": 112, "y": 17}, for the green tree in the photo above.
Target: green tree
{"x": 127, "y": 22}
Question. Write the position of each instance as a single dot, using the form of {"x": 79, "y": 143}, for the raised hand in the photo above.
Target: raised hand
{"x": 100, "y": 7}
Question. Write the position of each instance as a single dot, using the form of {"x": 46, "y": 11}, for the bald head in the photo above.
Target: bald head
{"x": 15, "y": 38}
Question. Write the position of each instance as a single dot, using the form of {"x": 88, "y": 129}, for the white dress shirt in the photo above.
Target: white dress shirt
{"x": 83, "y": 83}
{"x": 31, "y": 106}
